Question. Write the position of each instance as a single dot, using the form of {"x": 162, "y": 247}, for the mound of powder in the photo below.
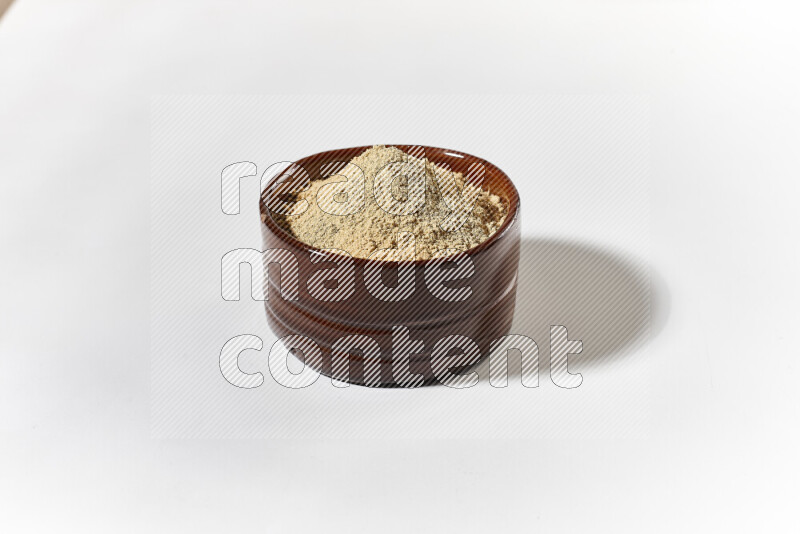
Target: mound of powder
{"x": 347, "y": 211}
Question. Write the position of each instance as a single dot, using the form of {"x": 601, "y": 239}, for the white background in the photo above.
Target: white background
{"x": 76, "y": 79}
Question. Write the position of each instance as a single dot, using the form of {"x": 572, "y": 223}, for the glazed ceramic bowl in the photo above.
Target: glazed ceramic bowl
{"x": 484, "y": 316}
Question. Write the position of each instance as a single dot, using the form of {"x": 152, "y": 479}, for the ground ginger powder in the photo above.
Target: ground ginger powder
{"x": 348, "y": 212}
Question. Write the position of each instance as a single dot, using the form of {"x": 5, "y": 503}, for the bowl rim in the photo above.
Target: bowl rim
{"x": 284, "y": 235}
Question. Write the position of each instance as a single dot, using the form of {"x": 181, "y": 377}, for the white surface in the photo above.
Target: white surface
{"x": 581, "y": 168}
{"x": 75, "y": 86}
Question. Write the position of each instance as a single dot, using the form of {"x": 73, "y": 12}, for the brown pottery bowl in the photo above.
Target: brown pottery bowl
{"x": 483, "y": 317}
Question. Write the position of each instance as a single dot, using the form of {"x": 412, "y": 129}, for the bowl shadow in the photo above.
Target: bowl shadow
{"x": 613, "y": 303}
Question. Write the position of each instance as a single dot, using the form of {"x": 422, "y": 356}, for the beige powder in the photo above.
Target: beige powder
{"x": 343, "y": 214}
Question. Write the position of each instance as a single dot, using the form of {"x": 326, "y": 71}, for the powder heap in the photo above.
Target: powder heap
{"x": 452, "y": 213}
